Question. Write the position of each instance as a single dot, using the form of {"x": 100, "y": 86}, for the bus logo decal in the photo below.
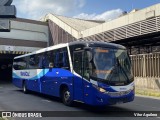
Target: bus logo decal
{"x": 25, "y": 73}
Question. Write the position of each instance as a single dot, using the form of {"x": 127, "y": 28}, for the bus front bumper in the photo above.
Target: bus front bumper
{"x": 102, "y": 99}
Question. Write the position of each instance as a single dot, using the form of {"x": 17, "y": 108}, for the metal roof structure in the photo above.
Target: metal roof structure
{"x": 135, "y": 23}
{"x": 78, "y": 24}
{"x": 71, "y": 25}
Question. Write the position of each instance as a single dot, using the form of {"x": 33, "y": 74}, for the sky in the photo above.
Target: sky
{"x": 83, "y": 9}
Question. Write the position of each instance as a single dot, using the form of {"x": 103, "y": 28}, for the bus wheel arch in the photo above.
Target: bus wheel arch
{"x": 65, "y": 95}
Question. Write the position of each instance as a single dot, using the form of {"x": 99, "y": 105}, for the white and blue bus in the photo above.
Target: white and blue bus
{"x": 94, "y": 73}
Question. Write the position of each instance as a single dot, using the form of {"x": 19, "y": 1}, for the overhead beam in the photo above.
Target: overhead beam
{"x": 4, "y": 25}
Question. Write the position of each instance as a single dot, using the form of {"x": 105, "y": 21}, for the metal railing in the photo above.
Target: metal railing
{"x": 146, "y": 65}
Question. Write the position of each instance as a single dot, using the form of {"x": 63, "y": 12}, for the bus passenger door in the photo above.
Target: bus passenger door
{"x": 78, "y": 72}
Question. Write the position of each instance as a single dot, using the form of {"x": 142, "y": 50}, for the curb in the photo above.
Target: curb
{"x": 152, "y": 97}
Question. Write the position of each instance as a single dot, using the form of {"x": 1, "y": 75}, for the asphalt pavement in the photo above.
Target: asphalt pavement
{"x": 13, "y": 99}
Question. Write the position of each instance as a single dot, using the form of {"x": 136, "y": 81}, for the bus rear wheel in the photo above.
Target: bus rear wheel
{"x": 66, "y": 98}
{"x": 25, "y": 88}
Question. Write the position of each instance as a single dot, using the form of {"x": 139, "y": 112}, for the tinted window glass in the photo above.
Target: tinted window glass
{"x": 33, "y": 62}
{"x": 51, "y": 56}
{"x": 61, "y": 59}
{"x": 86, "y": 65}
{"x": 75, "y": 48}
{"x": 77, "y": 62}
{"x": 44, "y": 61}
{"x": 20, "y": 64}
{"x": 50, "y": 59}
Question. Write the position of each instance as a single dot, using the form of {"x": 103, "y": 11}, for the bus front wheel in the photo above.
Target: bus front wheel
{"x": 66, "y": 98}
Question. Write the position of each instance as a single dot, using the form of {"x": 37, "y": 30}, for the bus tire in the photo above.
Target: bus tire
{"x": 25, "y": 88}
{"x": 66, "y": 98}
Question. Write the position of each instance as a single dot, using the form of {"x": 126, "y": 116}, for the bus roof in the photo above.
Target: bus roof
{"x": 98, "y": 44}
{"x": 81, "y": 42}
{"x": 44, "y": 49}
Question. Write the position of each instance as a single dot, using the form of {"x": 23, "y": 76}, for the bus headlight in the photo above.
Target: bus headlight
{"x": 102, "y": 90}
{"x": 133, "y": 88}
{"x": 99, "y": 88}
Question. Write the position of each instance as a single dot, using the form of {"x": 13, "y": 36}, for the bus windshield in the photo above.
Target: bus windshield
{"x": 111, "y": 65}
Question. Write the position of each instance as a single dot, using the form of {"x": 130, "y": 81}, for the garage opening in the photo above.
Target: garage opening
{"x": 6, "y": 61}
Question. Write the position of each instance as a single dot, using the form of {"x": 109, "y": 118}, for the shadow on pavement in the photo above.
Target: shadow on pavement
{"x": 87, "y": 109}
{"x": 5, "y": 82}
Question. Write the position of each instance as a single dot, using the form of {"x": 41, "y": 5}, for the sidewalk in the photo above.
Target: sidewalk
{"x": 149, "y": 93}
{"x": 151, "y": 97}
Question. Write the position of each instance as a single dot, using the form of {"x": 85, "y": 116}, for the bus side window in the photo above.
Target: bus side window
{"x": 61, "y": 59}
{"x": 51, "y": 56}
{"x": 43, "y": 61}
{"x": 65, "y": 60}
{"x": 20, "y": 64}
{"x": 56, "y": 59}
{"x": 33, "y": 62}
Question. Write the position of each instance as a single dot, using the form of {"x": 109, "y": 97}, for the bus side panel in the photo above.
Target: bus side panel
{"x": 48, "y": 82}
{"x": 88, "y": 93}
{"x": 33, "y": 85}
{"x": 67, "y": 81}
{"x": 17, "y": 82}
{"x": 51, "y": 81}
{"x": 30, "y": 77}
{"x": 78, "y": 88}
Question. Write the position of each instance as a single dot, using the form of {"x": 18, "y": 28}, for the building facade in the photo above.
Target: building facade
{"x": 25, "y": 36}
{"x": 138, "y": 30}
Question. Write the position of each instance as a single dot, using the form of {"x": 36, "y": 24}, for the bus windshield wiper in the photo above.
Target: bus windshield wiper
{"x": 120, "y": 66}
